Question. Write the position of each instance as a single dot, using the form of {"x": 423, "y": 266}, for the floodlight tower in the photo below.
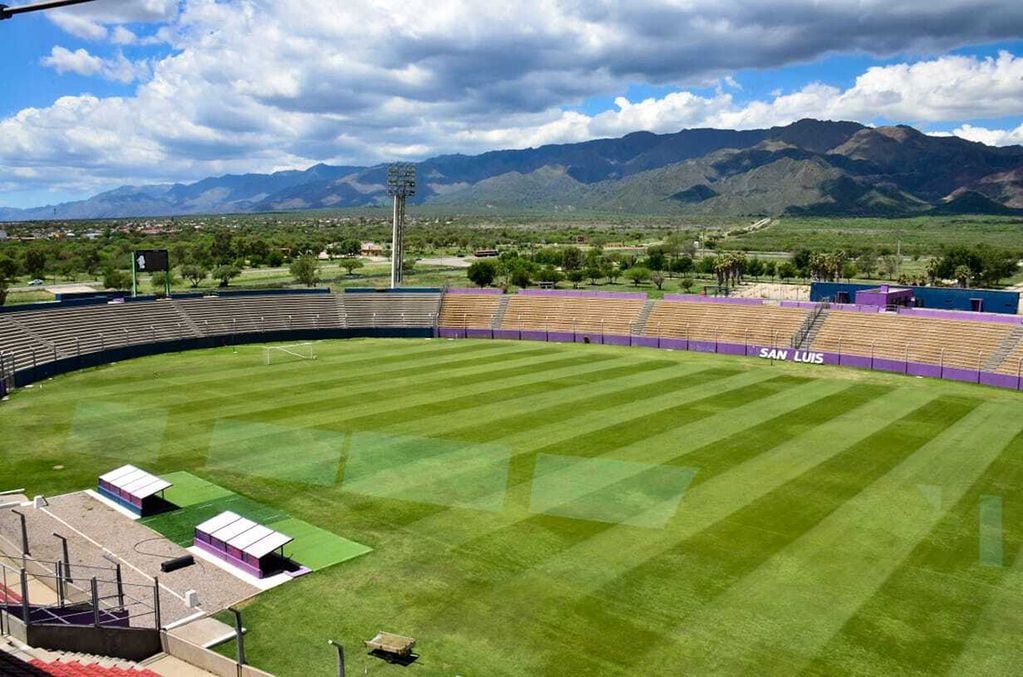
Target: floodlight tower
{"x": 401, "y": 184}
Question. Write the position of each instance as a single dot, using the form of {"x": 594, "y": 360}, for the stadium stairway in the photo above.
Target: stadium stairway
{"x": 639, "y": 326}
{"x": 811, "y": 333}
{"x": 1008, "y": 347}
{"x": 17, "y": 660}
{"x": 502, "y": 308}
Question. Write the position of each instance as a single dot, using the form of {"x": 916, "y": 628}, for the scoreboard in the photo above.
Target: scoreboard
{"x": 151, "y": 261}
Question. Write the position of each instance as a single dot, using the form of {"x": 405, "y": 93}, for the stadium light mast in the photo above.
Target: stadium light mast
{"x": 401, "y": 184}
{"x": 7, "y": 12}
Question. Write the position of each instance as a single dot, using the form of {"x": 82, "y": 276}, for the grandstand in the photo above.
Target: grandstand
{"x": 470, "y": 311}
{"x": 583, "y": 314}
{"x": 953, "y": 343}
{"x": 761, "y": 324}
{"x": 54, "y": 338}
{"x": 396, "y": 310}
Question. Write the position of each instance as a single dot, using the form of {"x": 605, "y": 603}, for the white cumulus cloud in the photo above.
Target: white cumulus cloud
{"x": 257, "y": 85}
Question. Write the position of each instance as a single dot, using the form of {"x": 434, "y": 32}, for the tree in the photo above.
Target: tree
{"x": 755, "y": 268}
{"x": 593, "y": 273}
{"x": 770, "y": 268}
{"x": 8, "y": 273}
{"x": 306, "y": 270}
{"x": 787, "y": 270}
{"x": 161, "y": 281}
{"x": 482, "y": 273}
{"x": 849, "y": 270}
{"x": 225, "y": 274}
{"x": 867, "y": 263}
{"x": 520, "y": 277}
{"x": 890, "y": 266}
{"x": 275, "y": 259}
{"x": 116, "y": 279}
{"x": 550, "y": 274}
{"x": 194, "y": 273}
{"x": 638, "y": 274}
{"x": 571, "y": 259}
{"x": 657, "y": 257}
{"x": 962, "y": 275}
{"x": 683, "y": 265}
{"x": 575, "y": 277}
{"x": 351, "y": 264}
{"x": 687, "y": 283}
{"x": 657, "y": 277}
{"x": 35, "y": 262}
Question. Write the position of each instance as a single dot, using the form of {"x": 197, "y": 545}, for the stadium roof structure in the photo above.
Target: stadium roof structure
{"x": 239, "y": 532}
{"x": 135, "y": 482}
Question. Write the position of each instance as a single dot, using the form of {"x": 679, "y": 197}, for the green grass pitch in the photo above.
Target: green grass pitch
{"x": 564, "y": 510}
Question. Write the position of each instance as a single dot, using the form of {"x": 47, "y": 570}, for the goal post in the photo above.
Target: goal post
{"x": 289, "y": 353}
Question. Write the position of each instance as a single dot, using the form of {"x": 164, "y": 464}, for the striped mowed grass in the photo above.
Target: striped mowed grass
{"x": 561, "y": 510}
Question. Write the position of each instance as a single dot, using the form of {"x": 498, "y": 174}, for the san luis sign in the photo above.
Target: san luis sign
{"x": 786, "y": 355}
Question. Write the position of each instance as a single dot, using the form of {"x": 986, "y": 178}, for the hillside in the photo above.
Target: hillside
{"x": 808, "y": 167}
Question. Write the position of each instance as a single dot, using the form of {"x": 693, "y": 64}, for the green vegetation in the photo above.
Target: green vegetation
{"x": 558, "y": 509}
{"x": 918, "y": 236}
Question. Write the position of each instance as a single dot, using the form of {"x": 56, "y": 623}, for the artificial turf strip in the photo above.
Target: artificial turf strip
{"x": 837, "y": 522}
{"x": 200, "y": 500}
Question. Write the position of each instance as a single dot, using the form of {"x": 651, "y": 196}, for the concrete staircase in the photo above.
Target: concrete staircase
{"x": 1007, "y": 347}
{"x": 640, "y": 326}
{"x": 502, "y": 308}
{"x": 73, "y": 664}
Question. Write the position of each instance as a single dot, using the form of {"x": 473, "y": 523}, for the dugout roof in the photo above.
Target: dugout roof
{"x": 135, "y": 482}
{"x": 248, "y": 536}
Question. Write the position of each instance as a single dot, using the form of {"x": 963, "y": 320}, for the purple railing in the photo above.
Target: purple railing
{"x": 582, "y": 293}
{"x": 696, "y": 298}
{"x": 488, "y": 291}
{"x": 937, "y": 313}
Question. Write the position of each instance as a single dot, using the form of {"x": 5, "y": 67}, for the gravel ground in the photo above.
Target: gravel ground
{"x": 87, "y": 522}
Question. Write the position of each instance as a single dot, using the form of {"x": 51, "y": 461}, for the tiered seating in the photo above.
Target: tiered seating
{"x": 954, "y": 343}
{"x": 88, "y": 329}
{"x": 11, "y": 666}
{"x": 469, "y": 311}
{"x": 78, "y": 669}
{"x": 766, "y": 325}
{"x": 572, "y": 314}
{"x": 1013, "y": 363}
{"x": 397, "y": 310}
{"x": 219, "y": 316}
{"x": 15, "y": 339}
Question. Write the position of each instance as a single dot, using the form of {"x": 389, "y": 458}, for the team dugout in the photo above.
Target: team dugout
{"x": 135, "y": 489}
{"x": 251, "y": 547}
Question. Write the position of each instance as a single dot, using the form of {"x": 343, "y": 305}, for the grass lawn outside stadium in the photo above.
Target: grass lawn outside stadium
{"x": 566, "y": 509}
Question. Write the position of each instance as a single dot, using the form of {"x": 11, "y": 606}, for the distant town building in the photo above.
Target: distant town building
{"x": 3, "y": 235}
{"x": 371, "y": 249}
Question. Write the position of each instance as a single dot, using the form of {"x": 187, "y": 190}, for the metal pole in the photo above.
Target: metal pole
{"x": 340, "y": 657}
{"x": 24, "y": 533}
{"x": 95, "y": 602}
{"x": 67, "y": 559}
{"x": 239, "y": 641}
{"x": 158, "y": 621}
{"x": 25, "y": 615}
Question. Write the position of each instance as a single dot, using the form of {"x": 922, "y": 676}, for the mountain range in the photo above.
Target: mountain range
{"x": 808, "y": 167}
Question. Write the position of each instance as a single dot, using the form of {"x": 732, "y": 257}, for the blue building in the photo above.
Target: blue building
{"x": 939, "y": 298}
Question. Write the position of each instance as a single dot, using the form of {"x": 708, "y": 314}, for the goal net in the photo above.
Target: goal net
{"x": 291, "y": 353}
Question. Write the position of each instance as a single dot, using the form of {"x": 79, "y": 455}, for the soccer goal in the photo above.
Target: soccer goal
{"x": 292, "y": 353}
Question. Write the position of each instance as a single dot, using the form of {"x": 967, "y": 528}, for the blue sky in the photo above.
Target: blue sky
{"x": 121, "y": 92}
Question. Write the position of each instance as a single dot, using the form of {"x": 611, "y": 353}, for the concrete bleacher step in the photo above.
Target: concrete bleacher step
{"x": 1007, "y": 347}
{"x": 186, "y": 320}
{"x": 640, "y": 326}
{"x": 502, "y": 308}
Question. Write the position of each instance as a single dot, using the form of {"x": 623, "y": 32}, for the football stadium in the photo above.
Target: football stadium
{"x": 458, "y": 482}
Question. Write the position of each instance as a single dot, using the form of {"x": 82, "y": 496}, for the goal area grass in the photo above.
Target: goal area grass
{"x": 546, "y": 509}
